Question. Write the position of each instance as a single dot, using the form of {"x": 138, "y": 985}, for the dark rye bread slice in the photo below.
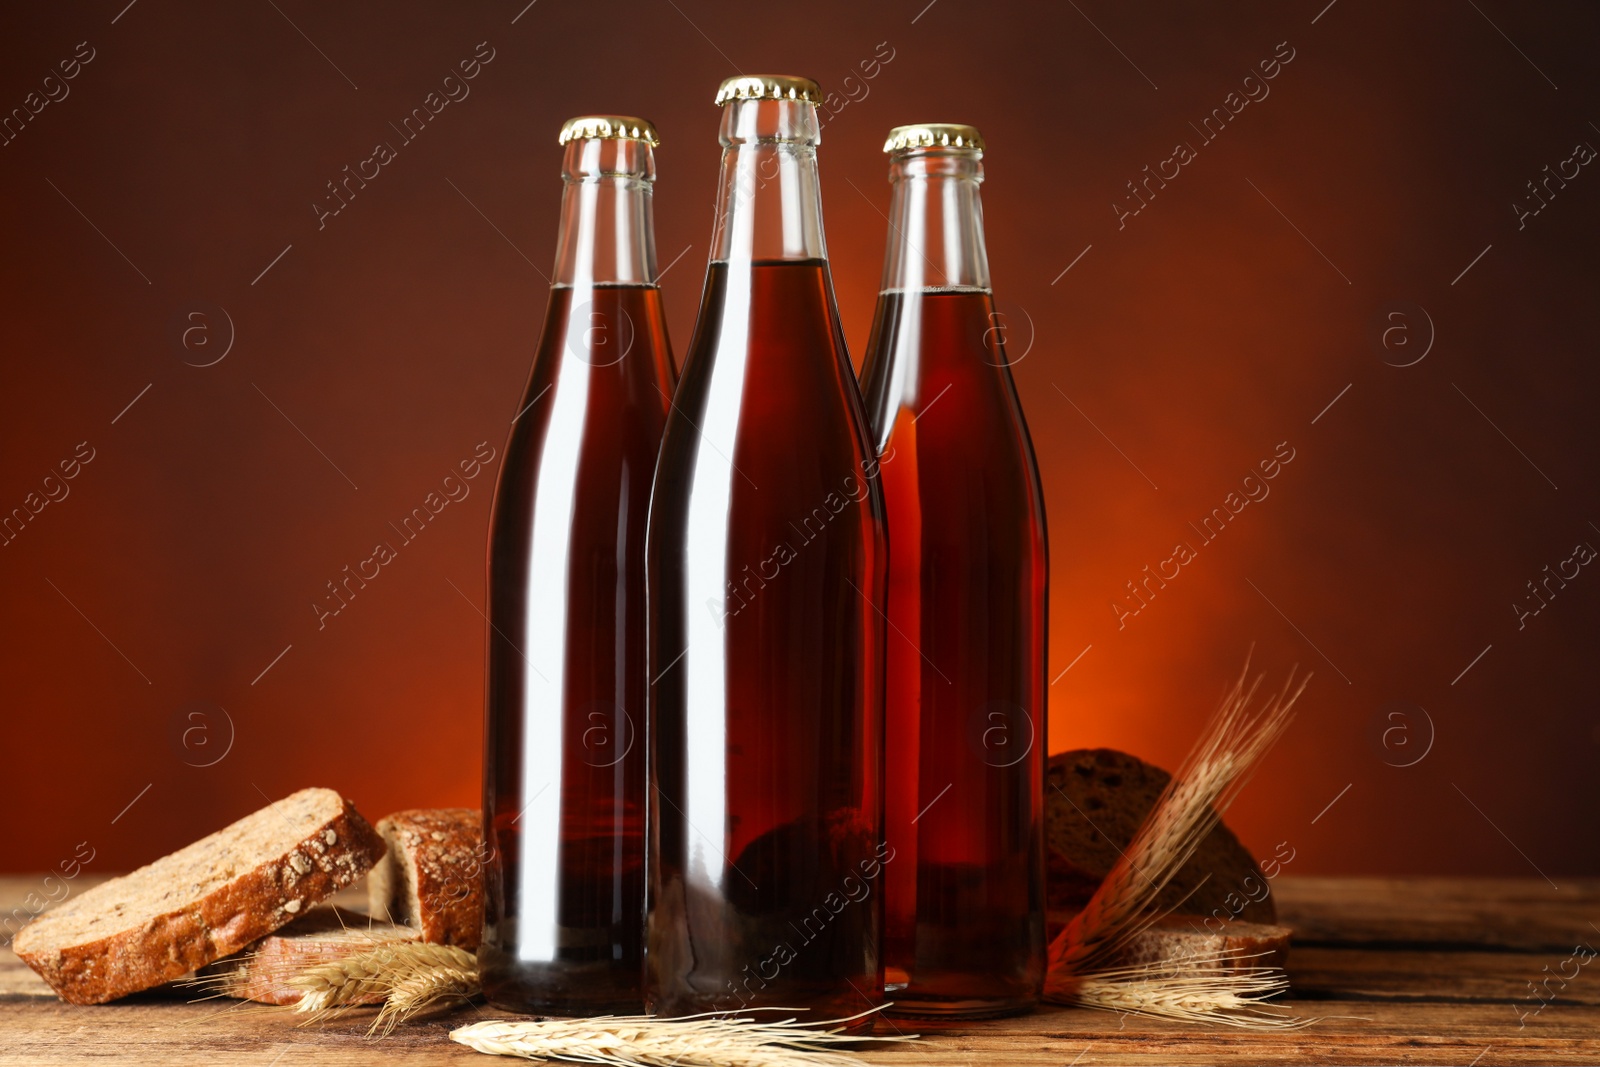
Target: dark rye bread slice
{"x": 202, "y": 902}
{"x": 432, "y": 875}
{"x": 1095, "y": 800}
{"x": 324, "y": 934}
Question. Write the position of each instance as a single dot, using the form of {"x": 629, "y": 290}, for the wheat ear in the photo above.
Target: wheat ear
{"x": 1187, "y": 810}
{"x": 1083, "y": 967}
{"x": 329, "y": 988}
{"x": 1210, "y": 990}
{"x": 454, "y": 978}
{"x": 716, "y": 1040}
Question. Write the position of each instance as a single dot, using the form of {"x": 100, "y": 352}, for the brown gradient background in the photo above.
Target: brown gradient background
{"x": 1196, "y": 339}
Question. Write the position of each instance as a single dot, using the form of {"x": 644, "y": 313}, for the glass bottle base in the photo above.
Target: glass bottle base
{"x": 577, "y": 990}
{"x": 919, "y": 1007}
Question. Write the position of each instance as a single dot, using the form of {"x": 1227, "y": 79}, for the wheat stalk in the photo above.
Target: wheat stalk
{"x": 1083, "y": 957}
{"x": 715, "y": 1040}
{"x": 216, "y": 984}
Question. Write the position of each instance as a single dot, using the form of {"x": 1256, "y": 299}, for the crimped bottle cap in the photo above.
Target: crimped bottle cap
{"x": 933, "y": 135}
{"x": 609, "y": 127}
{"x": 768, "y": 87}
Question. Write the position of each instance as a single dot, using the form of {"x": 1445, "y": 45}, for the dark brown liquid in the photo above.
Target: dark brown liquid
{"x": 965, "y": 732}
{"x": 565, "y": 751}
{"x": 766, "y": 585}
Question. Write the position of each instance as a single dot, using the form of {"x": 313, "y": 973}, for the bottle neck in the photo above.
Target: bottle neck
{"x": 769, "y": 203}
{"x": 936, "y": 221}
{"x": 607, "y": 234}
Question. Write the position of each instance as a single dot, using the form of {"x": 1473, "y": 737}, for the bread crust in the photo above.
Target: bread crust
{"x": 265, "y": 896}
{"x": 439, "y": 851}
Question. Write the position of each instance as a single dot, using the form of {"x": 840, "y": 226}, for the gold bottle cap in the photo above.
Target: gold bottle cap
{"x": 933, "y": 135}
{"x": 609, "y": 127}
{"x": 768, "y": 87}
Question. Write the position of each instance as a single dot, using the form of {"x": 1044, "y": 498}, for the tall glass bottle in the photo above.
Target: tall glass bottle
{"x": 965, "y": 732}
{"x": 564, "y": 766}
{"x": 766, "y": 568}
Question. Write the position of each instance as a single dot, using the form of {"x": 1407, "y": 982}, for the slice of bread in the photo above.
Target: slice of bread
{"x": 1095, "y": 801}
{"x": 1175, "y": 944}
{"x": 324, "y": 934}
{"x": 432, "y": 875}
{"x": 202, "y": 902}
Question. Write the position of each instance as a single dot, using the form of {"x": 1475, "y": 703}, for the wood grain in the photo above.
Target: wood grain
{"x": 1525, "y": 914}
{"x": 1413, "y": 971}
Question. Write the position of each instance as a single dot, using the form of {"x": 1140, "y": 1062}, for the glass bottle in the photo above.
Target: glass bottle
{"x": 564, "y": 765}
{"x": 965, "y": 720}
{"x": 766, "y": 568}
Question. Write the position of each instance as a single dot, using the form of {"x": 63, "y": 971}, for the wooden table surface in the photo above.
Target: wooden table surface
{"x": 1398, "y": 970}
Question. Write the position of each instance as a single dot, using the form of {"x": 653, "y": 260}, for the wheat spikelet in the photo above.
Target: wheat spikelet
{"x": 646, "y": 1041}
{"x": 1082, "y": 958}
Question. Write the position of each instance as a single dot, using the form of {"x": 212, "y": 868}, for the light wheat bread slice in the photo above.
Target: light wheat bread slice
{"x": 323, "y": 935}
{"x": 202, "y": 902}
{"x": 1180, "y": 945}
{"x": 432, "y": 875}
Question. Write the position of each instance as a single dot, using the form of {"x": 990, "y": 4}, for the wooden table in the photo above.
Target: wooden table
{"x": 1399, "y": 970}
